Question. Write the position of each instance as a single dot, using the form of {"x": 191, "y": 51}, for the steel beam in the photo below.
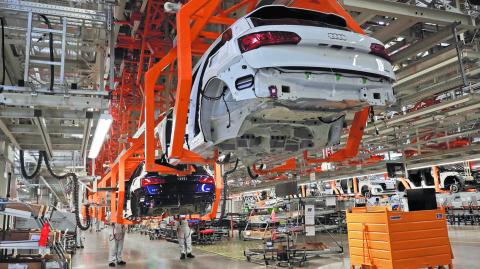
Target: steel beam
{"x": 56, "y": 147}
{"x": 37, "y": 140}
{"x": 8, "y": 134}
{"x": 431, "y": 90}
{"x": 84, "y": 45}
{"x": 56, "y": 10}
{"x": 59, "y": 101}
{"x": 16, "y": 112}
{"x": 425, "y": 65}
{"x": 402, "y": 10}
{"x": 52, "y": 129}
{"x": 87, "y": 129}
{"x": 363, "y": 17}
{"x": 430, "y": 109}
{"x": 51, "y": 189}
{"x": 392, "y": 30}
{"x": 41, "y": 124}
{"x": 71, "y": 92}
{"x": 423, "y": 45}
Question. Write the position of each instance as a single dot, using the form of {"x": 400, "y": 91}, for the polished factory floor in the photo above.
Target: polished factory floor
{"x": 142, "y": 253}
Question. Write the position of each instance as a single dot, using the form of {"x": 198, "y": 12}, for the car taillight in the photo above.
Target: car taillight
{"x": 257, "y": 40}
{"x": 380, "y": 51}
{"x": 206, "y": 180}
{"x": 147, "y": 181}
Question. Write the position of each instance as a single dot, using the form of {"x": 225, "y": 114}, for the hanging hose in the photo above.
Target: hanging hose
{"x": 50, "y": 42}
{"x": 225, "y": 189}
{"x": 4, "y": 71}
{"x": 75, "y": 194}
{"x": 37, "y": 168}
{"x": 43, "y": 155}
{"x": 250, "y": 173}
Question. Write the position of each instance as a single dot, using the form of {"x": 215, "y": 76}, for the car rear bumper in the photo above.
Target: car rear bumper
{"x": 327, "y": 89}
{"x": 173, "y": 204}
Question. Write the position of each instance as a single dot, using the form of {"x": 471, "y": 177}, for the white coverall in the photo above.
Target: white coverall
{"x": 184, "y": 235}
{"x": 117, "y": 236}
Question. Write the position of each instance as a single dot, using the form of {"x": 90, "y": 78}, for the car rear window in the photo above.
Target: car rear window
{"x": 281, "y": 15}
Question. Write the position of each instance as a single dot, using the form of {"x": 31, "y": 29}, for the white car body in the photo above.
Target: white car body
{"x": 446, "y": 180}
{"x": 377, "y": 186}
{"x": 282, "y": 98}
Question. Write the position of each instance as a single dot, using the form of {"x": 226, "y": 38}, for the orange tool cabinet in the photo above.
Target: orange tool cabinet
{"x": 380, "y": 238}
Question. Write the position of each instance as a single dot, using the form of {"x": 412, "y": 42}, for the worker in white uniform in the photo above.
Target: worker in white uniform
{"x": 117, "y": 237}
{"x": 184, "y": 235}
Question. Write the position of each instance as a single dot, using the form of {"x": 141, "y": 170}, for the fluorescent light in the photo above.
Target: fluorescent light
{"x": 103, "y": 126}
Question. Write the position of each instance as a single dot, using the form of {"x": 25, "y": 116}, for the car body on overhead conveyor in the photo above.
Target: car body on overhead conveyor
{"x": 281, "y": 80}
{"x": 152, "y": 194}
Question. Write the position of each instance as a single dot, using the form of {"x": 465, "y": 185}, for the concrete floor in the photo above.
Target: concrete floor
{"x": 141, "y": 253}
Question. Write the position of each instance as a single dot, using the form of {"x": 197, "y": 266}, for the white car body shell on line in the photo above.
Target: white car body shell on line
{"x": 281, "y": 99}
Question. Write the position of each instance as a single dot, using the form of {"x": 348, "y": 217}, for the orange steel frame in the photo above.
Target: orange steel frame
{"x": 191, "y": 19}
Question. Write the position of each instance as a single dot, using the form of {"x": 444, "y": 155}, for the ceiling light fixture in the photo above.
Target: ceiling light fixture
{"x": 103, "y": 126}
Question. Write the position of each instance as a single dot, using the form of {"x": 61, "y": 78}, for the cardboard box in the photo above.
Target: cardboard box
{"x": 37, "y": 210}
{"x": 15, "y": 235}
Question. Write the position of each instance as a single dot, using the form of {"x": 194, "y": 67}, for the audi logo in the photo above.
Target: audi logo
{"x": 337, "y": 36}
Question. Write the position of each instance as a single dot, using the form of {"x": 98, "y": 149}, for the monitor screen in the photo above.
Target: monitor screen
{"x": 285, "y": 189}
{"x": 396, "y": 170}
{"x": 421, "y": 199}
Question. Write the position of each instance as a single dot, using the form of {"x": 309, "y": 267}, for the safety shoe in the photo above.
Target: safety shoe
{"x": 182, "y": 257}
{"x": 112, "y": 264}
{"x": 190, "y": 255}
{"x": 121, "y": 263}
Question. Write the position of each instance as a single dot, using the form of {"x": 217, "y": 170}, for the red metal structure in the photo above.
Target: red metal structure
{"x": 150, "y": 55}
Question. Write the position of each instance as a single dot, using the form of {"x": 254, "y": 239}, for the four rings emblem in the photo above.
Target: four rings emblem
{"x": 337, "y": 36}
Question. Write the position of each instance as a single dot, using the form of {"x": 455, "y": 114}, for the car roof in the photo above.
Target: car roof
{"x": 277, "y": 11}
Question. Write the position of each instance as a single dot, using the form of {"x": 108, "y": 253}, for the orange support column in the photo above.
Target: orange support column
{"x": 113, "y": 195}
{"x": 353, "y": 142}
{"x": 355, "y": 186}
{"x": 436, "y": 178}
{"x": 405, "y": 183}
{"x": 121, "y": 188}
{"x": 186, "y": 35}
{"x": 334, "y": 187}
{"x": 218, "y": 191}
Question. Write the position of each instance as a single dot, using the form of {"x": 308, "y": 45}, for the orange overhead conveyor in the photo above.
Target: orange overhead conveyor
{"x": 382, "y": 239}
{"x": 192, "y": 39}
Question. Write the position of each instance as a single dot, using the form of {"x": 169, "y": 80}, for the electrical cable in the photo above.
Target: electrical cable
{"x": 4, "y": 71}
{"x": 37, "y": 168}
{"x": 225, "y": 189}
{"x": 332, "y": 121}
{"x": 228, "y": 111}
{"x": 75, "y": 194}
{"x": 216, "y": 98}
{"x": 250, "y": 173}
{"x": 43, "y": 156}
{"x": 50, "y": 42}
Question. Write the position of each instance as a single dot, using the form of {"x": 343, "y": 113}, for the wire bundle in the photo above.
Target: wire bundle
{"x": 43, "y": 156}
